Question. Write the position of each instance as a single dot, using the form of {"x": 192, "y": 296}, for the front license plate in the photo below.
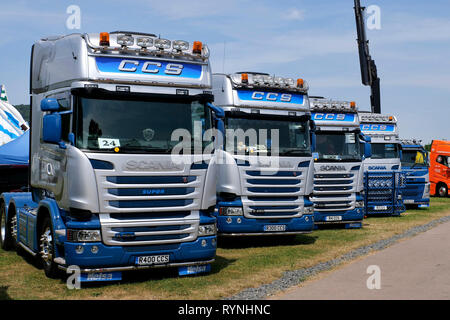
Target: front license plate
{"x": 380, "y": 208}
{"x": 275, "y": 228}
{"x": 151, "y": 260}
{"x": 408, "y": 201}
{"x": 100, "y": 276}
{"x": 333, "y": 218}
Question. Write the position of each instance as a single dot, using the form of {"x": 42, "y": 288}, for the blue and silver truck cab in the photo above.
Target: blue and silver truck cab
{"x": 107, "y": 192}
{"x": 265, "y": 168}
{"x": 383, "y": 179}
{"x": 415, "y": 166}
{"x": 338, "y": 171}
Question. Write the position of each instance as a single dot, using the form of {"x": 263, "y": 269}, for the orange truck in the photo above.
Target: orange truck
{"x": 440, "y": 168}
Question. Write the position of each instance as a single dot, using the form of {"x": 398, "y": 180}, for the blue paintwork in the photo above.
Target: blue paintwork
{"x": 356, "y": 214}
{"x": 249, "y": 225}
{"x": 267, "y": 96}
{"x": 335, "y": 117}
{"x": 111, "y": 65}
{"x": 415, "y": 180}
{"x": 115, "y": 256}
{"x": 377, "y": 127}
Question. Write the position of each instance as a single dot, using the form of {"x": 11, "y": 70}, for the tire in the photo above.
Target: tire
{"x": 47, "y": 249}
{"x": 442, "y": 190}
{"x": 8, "y": 229}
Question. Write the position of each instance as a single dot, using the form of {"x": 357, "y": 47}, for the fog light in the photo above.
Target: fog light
{"x": 229, "y": 220}
{"x": 79, "y": 249}
{"x": 204, "y": 243}
{"x": 213, "y": 242}
{"x": 239, "y": 220}
{"x": 306, "y": 219}
{"x": 94, "y": 249}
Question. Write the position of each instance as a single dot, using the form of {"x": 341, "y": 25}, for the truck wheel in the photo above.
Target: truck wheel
{"x": 47, "y": 249}
{"x": 442, "y": 190}
{"x": 8, "y": 229}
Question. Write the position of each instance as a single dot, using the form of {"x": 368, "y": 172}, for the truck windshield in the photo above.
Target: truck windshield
{"x": 259, "y": 135}
{"x": 416, "y": 158}
{"x": 338, "y": 146}
{"x": 385, "y": 151}
{"x": 144, "y": 126}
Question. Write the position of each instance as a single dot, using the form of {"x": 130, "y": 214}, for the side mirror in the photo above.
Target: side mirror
{"x": 367, "y": 150}
{"x": 51, "y": 128}
{"x": 51, "y": 105}
{"x": 312, "y": 126}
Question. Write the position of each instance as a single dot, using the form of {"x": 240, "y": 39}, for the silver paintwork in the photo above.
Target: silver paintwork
{"x": 129, "y": 268}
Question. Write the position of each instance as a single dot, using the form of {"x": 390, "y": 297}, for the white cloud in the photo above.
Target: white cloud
{"x": 295, "y": 14}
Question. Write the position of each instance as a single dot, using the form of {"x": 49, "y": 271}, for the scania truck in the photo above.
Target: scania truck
{"x": 383, "y": 179}
{"x": 338, "y": 171}
{"x": 265, "y": 168}
{"x": 415, "y": 169}
{"x": 107, "y": 192}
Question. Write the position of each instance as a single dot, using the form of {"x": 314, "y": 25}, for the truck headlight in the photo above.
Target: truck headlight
{"x": 359, "y": 204}
{"x": 309, "y": 210}
{"x": 231, "y": 211}
{"x": 207, "y": 230}
{"x": 83, "y": 235}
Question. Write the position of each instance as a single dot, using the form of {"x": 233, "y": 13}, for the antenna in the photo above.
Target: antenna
{"x": 224, "y": 52}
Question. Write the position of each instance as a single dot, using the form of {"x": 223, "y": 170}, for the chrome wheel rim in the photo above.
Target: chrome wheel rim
{"x": 442, "y": 191}
{"x": 47, "y": 246}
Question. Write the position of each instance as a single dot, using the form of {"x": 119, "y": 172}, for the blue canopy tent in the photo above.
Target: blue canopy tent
{"x": 16, "y": 152}
{"x": 14, "y": 163}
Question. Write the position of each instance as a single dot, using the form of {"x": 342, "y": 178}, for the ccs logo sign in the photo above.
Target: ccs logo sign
{"x": 333, "y": 117}
{"x": 148, "y": 67}
{"x": 272, "y": 96}
{"x": 264, "y": 96}
{"x": 377, "y": 127}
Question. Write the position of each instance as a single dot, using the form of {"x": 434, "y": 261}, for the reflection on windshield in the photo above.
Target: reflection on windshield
{"x": 385, "y": 151}
{"x": 261, "y": 136}
{"x": 414, "y": 158}
{"x": 145, "y": 126}
{"x": 338, "y": 146}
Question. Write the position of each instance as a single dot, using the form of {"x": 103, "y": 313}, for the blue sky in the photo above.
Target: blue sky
{"x": 312, "y": 39}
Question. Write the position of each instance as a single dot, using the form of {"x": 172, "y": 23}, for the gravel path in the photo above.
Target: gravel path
{"x": 294, "y": 278}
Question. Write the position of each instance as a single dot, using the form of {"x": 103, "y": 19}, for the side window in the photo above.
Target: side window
{"x": 65, "y": 119}
{"x": 442, "y": 160}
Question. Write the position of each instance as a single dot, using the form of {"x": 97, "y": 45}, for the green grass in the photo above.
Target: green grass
{"x": 240, "y": 264}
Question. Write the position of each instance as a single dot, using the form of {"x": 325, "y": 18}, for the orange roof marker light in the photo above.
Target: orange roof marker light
{"x": 244, "y": 78}
{"x": 104, "y": 39}
{"x": 353, "y": 105}
{"x": 197, "y": 47}
{"x": 391, "y": 118}
{"x": 300, "y": 83}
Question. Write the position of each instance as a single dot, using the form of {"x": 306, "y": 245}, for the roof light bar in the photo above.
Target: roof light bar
{"x": 333, "y": 105}
{"x": 140, "y": 43}
{"x": 261, "y": 80}
{"x": 378, "y": 118}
